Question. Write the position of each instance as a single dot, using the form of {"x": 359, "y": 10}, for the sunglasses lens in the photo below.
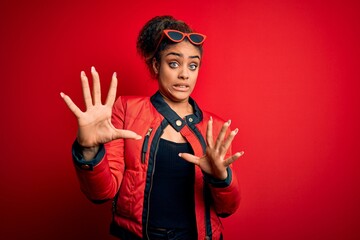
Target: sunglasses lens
{"x": 196, "y": 38}
{"x": 175, "y": 36}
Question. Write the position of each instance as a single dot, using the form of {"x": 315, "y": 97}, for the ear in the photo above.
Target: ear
{"x": 155, "y": 66}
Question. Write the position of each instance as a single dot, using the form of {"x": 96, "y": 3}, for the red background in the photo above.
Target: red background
{"x": 285, "y": 72}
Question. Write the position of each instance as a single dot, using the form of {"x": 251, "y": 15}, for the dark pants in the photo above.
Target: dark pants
{"x": 171, "y": 234}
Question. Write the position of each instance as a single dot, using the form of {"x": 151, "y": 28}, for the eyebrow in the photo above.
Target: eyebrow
{"x": 181, "y": 55}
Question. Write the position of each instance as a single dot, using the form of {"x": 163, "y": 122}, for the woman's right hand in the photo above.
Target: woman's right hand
{"x": 95, "y": 127}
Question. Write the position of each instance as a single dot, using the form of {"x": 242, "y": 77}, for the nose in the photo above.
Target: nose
{"x": 184, "y": 73}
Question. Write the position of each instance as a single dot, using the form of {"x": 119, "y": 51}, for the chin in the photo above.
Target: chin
{"x": 179, "y": 97}
{"x": 182, "y": 95}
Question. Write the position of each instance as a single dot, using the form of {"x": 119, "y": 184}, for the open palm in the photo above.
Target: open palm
{"x": 95, "y": 125}
{"x": 214, "y": 161}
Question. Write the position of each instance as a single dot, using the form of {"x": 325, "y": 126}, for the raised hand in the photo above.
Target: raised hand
{"x": 95, "y": 125}
{"x": 214, "y": 162}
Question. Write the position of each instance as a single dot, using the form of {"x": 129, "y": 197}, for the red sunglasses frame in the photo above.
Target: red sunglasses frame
{"x": 188, "y": 35}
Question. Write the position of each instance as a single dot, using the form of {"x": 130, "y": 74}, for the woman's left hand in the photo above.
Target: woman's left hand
{"x": 214, "y": 162}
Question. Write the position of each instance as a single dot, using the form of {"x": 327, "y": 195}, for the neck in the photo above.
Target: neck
{"x": 182, "y": 108}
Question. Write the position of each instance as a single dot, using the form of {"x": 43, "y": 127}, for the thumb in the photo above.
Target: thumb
{"x": 126, "y": 134}
{"x": 190, "y": 158}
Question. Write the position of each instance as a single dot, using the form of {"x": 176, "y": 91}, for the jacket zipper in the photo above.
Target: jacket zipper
{"x": 145, "y": 145}
{"x": 151, "y": 184}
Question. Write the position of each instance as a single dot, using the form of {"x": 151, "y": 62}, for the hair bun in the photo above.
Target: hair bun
{"x": 149, "y": 36}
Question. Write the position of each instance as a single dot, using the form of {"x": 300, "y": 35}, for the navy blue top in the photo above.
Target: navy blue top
{"x": 172, "y": 202}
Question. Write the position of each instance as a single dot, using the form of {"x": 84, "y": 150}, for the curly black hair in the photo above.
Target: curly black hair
{"x": 150, "y": 35}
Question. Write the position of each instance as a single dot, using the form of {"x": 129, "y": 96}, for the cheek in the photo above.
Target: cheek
{"x": 194, "y": 77}
{"x": 166, "y": 72}
{"x": 164, "y": 80}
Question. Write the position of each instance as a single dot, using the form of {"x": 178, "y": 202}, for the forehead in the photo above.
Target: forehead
{"x": 183, "y": 48}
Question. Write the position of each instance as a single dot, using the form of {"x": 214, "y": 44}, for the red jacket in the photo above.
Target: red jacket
{"x": 123, "y": 169}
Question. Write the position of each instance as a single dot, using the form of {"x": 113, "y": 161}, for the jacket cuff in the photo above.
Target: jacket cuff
{"x": 216, "y": 182}
{"x": 79, "y": 158}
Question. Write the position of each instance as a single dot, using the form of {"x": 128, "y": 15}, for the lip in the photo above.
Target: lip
{"x": 181, "y": 87}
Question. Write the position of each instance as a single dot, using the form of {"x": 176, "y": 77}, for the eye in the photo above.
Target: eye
{"x": 173, "y": 64}
{"x": 193, "y": 66}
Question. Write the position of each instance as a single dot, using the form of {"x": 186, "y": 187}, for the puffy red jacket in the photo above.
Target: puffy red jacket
{"x": 123, "y": 169}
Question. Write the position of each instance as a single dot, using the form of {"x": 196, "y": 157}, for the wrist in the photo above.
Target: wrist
{"x": 222, "y": 175}
{"x": 89, "y": 152}
{"x": 216, "y": 182}
{"x": 89, "y": 149}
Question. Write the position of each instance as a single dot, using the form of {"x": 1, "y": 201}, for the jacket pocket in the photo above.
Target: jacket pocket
{"x": 126, "y": 198}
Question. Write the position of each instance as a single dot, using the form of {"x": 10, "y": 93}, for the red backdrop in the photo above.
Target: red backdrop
{"x": 285, "y": 72}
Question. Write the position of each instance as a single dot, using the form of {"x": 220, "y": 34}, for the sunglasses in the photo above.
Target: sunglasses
{"x": 178, "y": 36}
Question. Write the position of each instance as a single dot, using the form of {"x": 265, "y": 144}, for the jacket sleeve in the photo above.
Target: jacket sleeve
{"x": 225, "y": 193}
{"x": 101, "y": 177}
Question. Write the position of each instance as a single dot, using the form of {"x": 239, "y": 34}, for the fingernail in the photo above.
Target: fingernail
{"x": 211, "y": 118}
{"x": 241, "y": 153}
{"x": 229, "y": 122}
{"x": 115, "y": 74}
{"x": 82, "y": 74}
{"x": 92, "y": 69}
{"x": 62, "y": 94}
{"x": 236, "y": 130}
{"x": 179, "y": 154}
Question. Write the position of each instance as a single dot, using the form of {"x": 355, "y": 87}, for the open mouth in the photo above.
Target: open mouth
{"x": 181, "y": 87}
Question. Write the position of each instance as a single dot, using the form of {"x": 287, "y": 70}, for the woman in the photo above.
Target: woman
{"x": 133, "y": 150}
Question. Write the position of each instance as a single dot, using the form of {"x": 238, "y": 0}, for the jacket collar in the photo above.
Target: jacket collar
{"x": 171, "y": 116}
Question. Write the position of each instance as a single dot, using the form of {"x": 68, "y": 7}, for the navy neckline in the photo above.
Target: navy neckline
{"x": 173, "y": 143}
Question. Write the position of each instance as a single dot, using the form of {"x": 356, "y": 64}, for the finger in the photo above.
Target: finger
{"x": 209, "y": 133}
{"x": 222, "y": 133}
{"x": 233, "y": 158}
{"x": 86, "y": 90}
{"x": 120, "y": 133}
{"x": 71, "y": 105}
{"x": 228, "y": 141}
{"x": 96, "y": 86}
{"x": 190, "y": 158}
{"x": 112, "y": 90}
